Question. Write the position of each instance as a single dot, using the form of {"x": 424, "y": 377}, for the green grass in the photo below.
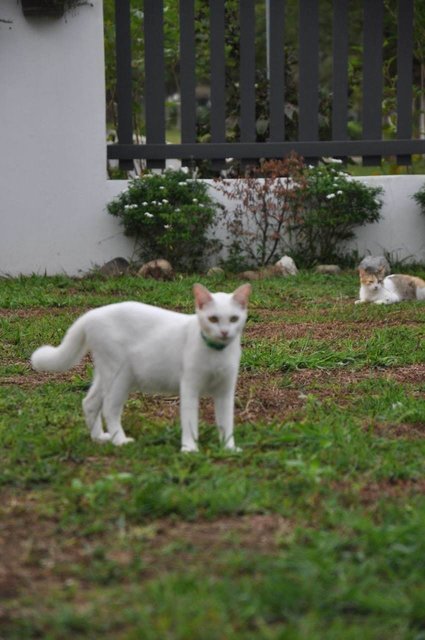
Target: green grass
{"x": 314, "y": 532}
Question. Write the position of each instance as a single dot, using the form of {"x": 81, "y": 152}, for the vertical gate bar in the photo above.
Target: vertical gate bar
{"x": 372, "y": 74}
{"x": 340, "y": 70}
{"x": 218, "y": 69}
{"x": 187, "y": 71}
{"x": 404, "y": 74}
{"x": 247, "y": 70}
{"x": 277, "y": 70}
{"x": 309, "y": 70}
{"x": 154, "y": 74}
{"x": 124, "y": 94}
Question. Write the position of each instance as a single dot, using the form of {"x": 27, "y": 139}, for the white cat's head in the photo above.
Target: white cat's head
{"x": 221, "y": 316}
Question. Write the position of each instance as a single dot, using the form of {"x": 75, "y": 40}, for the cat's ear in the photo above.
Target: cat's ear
{"x": 241, "y": 295}
{"x": 362, "y": 273}
{"x": 202, "y": 295}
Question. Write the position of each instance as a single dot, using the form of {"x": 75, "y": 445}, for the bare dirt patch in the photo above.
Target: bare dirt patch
{"x": 372, "y": 493}
{"x": 37, "y": 312}
{"x": 408, "y": 431}
{"x": 35, "y": 556}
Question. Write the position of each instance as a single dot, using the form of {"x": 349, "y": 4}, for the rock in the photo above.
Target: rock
{"x": 115, "y": 267}
{"x": 286, "y": 266}
{"x": 157, "y": 269}
{"x": 272, "y": 271}
{"x": 249, "y": 275}
{"x": 215, "y": 271}
{"x": 373, "y": 264}
{"x": 328, "y": 269}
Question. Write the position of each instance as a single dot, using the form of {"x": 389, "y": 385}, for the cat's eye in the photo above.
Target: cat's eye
{"x": 234, "y": 318}
{"x": 213, "y": 319}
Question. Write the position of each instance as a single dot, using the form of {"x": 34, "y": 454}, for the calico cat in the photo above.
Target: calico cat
{"x": 139, "y": 346}
{"x": 381, "y": 289}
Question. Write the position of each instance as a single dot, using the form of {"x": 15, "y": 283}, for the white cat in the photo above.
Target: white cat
{"x": 138, "y": 346}
{"x": 380, "y": 289}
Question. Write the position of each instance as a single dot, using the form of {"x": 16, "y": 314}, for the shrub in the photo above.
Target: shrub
{"x": 419, "y": 196}
{"x": 331, "y": 206}
{"x": 265, "y": 211}
{"x": 169, "y": 215}
{"x": 309, "y": 212}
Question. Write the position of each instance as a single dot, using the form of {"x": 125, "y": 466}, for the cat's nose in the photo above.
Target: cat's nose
{"x": 224, "y": 334}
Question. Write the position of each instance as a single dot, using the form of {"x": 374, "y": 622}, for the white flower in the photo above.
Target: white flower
{"x": 178, "y": 210}
{"x": 182, "y": 184}
{"x": 184, "y": 169}
{"x": 195, "y": 200}
{"x": 145, "y": 204}
{"x": 148, "y": 215}
{"x": 330, "y": 196}
{"x": 161, "y": 188}
{"x": 165, "y": 201}
{"x": 201, "y": 205}
{"x": 167, "y": 226}
{"x": 339, "y": 193}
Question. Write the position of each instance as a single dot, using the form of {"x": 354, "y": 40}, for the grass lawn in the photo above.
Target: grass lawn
{"x": 315, "y": 531}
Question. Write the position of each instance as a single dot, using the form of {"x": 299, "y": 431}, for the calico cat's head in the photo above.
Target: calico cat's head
{"x": 221, "y": 316}
{"x": 372, "y": 281}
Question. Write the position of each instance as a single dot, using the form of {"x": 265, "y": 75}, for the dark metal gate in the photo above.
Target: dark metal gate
{"x": 371, "y": 144}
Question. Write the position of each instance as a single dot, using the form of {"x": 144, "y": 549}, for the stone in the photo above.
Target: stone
{"x": 286, "y": 266}
{"x": 158, "y": 269}
{"x": 115, "y": 267}
{"x": 373, "y": 264}
{"x": 215, "y": 271}
{"x": 249, "y": 275}
{"x": 328, "y": 269}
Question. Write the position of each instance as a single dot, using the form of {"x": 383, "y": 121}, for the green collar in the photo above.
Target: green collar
{"x": 218, "y": 346}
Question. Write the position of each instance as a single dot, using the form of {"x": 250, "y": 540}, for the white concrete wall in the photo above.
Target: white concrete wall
{"x": 401, "y": 231}
{"x": 53, "y": 183}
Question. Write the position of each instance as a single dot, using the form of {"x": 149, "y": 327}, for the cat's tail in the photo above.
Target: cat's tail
{"x": 69, "y": 353}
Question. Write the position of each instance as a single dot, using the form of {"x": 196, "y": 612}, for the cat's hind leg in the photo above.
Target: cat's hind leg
{"x": 92, "y": 408}
{"x": 113, "y": 403}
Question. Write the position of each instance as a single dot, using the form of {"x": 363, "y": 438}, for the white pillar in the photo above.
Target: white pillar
{"x": 53, "y": 183}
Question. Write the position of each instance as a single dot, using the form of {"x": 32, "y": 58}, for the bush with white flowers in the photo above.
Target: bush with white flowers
{"x": 331, "y": 204}
{"x": 169, "y": 215}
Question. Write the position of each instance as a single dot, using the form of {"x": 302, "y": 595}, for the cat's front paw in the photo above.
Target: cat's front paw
{"x": 188, "y": 448}
{"x": 359, "y": 302}
{"x": 119, "y": 440}
{"x": 234, "y": 449}
{"x": 102, "y": 437}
